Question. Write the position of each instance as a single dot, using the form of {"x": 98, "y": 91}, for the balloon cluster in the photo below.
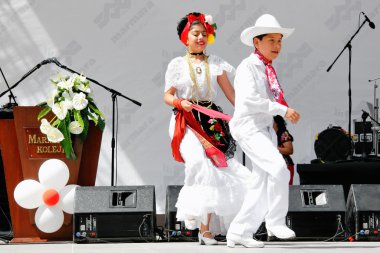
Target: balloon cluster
{"x": 50, "y": 195}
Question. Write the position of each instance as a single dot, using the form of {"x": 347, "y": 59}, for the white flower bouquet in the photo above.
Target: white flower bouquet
{"x": 73, "y": 108}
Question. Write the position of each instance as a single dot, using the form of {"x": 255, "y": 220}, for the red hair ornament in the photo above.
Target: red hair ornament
{"x": 205, "y": 21}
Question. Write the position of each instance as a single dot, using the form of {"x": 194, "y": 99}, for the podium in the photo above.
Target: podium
{"x": 24, "y": 148}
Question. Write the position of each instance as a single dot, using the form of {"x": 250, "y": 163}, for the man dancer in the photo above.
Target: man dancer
{"x": 259, "y": 97}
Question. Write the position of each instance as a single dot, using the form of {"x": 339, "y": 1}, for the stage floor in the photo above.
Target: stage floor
{"x": 185, "y": 247}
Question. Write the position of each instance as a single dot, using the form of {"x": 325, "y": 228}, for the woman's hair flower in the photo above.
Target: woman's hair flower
{"x": 209, "y": 19}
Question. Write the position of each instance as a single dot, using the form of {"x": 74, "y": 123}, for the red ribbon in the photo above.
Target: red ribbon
{"x": 184, "y": 118}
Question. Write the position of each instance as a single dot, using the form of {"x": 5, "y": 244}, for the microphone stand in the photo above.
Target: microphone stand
{"x": 113, "y": 92}
{"x": 374, "y": 120}
{"x": 10, "y": 105}
{"x": 114, "y": 95}
{"x": 375, "y": 116}
{"x": 349, "y": 46}
{"x": 375, "y": 131}
{"x": 24, "y": 76}
{"x": 364, "y": 142}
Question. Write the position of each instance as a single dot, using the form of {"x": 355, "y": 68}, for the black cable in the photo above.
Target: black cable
{"x": 188, "y": 238}
{"x": 339, "y": 228}
{"x": 145, "y": 218}
{"x": 161, "y": 233}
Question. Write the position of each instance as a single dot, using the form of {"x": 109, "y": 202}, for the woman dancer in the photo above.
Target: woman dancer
{"x": 214, "y": 182}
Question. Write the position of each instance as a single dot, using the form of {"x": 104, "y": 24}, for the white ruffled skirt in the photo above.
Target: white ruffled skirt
{"x": 208, "y": 189}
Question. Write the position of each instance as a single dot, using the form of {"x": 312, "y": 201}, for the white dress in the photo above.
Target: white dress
{"x": 207, "y": 189}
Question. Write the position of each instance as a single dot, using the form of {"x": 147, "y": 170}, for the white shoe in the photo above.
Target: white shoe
{"x": 232, "y": 240}
{"x": 281, "y": 232}
{"x": 205, "y": 240}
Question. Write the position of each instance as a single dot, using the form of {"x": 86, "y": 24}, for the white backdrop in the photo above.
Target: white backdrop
{"x": 127, "y": 44}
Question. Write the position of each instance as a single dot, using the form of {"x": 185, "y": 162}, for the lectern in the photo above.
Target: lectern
{"x": 24, "y": 148}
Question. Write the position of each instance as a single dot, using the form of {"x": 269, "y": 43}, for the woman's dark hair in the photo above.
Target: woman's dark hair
{"x": 281, "y": 124}
{"x": 182, "y": 23}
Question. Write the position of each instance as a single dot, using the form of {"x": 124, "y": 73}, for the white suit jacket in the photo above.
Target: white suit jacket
{"x": 255, "y": 105}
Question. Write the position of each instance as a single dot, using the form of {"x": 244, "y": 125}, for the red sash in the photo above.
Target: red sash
{"x": 184, "y": 119}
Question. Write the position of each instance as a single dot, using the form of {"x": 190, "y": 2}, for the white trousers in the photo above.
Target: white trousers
{"x": 268, "y": 195}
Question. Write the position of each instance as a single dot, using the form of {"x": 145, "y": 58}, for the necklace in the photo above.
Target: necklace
{"x": 201, "y": 53}
{"x": 208, "y": 96}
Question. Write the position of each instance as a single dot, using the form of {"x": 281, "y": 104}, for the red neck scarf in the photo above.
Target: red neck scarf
{"x": 274, "y": 85}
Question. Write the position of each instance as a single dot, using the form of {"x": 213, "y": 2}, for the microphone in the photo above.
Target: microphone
{"x": 370, "y": 23}
{"x": 373, "y": 79}
{"x": 48, "y": 60}
{"x": 55, "y": 61}
{"x": 364, "y": 115}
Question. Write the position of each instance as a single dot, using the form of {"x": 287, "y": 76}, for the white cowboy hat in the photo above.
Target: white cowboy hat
{"x": 264, "y": 24}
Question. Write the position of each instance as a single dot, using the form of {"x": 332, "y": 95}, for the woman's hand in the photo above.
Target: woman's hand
{"x": 186, "y": 105}
{"x": 286, "y": 148}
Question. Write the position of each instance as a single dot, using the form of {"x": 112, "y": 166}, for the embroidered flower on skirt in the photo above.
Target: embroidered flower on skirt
{"x": 217, "y": 129}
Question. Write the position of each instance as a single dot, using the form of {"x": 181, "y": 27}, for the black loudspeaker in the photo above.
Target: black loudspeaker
{"x": 363, "y": 211}
{"x": 362, "y": 141}
{"x": 316, "y": 212}
{"x": 121, "y": 213}
{"x": 176, "y": 230}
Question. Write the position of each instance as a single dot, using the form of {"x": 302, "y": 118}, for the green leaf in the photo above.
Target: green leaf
{"x": 42, "y": 104}
{"x": 78, "y": 118}
{"x": 56, "y": 122}
{"x": 84, "y": 133}
{"x": 43, "y": 112}
{"x": 53, "y": 81}
{"x": 95, "y": 109}
{"x": 101, "y": 124}
{"x": 93, "y": 118}
{"x": 67, "y": 143}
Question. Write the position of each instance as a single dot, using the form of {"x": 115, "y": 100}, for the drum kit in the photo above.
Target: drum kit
{"x": 335, "y": 144}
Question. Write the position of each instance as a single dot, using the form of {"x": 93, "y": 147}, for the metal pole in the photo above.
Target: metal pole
{"x": 376, "y": 117}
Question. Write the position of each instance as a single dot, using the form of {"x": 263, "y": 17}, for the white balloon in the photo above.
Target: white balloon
{"x": 28, "y": 194}
{"x": 67, "y": 197}
{"x": 49, "y": 219}
{"x": 54, "y": 173}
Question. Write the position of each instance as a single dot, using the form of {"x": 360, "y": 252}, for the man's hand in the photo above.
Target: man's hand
{"x": 292, "y": 115}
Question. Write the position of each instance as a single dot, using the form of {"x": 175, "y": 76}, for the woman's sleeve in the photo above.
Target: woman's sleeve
{"x": 173, "y": 73}
{"x": 221, "y": 65}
